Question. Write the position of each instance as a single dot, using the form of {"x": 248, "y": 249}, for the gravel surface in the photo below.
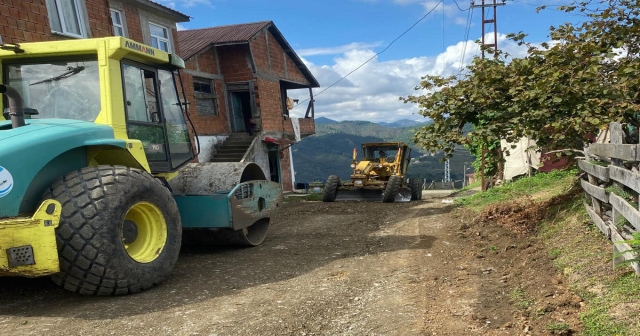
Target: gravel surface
{"x": 343, "y": 268}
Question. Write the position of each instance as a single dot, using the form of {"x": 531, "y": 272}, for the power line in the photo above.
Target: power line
{"x": 443, "y": 47}
{"x": 374, "y": 56}
{"x": 462, "y": 10}
{"x": 466, "y": 38}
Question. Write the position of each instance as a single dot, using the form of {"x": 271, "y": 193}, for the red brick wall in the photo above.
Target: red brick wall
{"x": 207, "y": 62}
{"x": 259, "y": 49}
{"x": 99, "y": 18}
{"x": 285, "y": 167}
{"x": 28, "y": 21}
{"x": 207, "y": 125}
{"x": 307, "y": 126}
{"x": 234, "y": 63}
{"x": 134, "y": 29}
{"x": 270, "y": 104}
{"x": 278, "y": 58}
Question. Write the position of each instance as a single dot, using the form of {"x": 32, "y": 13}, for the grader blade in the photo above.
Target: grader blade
{"x": 359, "y": 195}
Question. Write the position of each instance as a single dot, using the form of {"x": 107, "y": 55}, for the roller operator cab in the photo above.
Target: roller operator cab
{"x": 96, "y": 173}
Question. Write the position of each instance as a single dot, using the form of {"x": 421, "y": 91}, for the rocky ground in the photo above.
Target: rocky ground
{"x": 343, "y": 268}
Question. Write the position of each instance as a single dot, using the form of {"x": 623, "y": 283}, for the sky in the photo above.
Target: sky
{"x": 334, "y": 37}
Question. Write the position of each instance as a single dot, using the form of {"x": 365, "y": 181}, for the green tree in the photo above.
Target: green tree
{"x": 560, "y": 94}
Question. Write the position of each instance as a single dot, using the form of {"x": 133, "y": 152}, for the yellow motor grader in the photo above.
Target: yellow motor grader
{"x": 380, "y": 175}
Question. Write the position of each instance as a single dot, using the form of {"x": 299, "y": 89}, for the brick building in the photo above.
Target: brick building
{"x": 240, "y": 73}
{"x": 46, "y": 20}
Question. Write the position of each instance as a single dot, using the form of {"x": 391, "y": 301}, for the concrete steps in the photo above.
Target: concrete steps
{"x": 234, "y": 148}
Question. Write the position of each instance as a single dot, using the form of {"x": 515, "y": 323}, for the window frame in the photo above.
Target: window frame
{"x": 201, "y": 95}
{"x": 161, "y": 38}
{"x": 121, "y": 25}
{"x": 79, "y": 5}
{"x": 157, "y": 166}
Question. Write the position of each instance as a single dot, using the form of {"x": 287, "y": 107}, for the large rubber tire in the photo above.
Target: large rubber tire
{"x": 90, "y": 238}
{"x": 390, "y": 192}
{"x": 330, "y": 191}
{"x": 416, "y": 190}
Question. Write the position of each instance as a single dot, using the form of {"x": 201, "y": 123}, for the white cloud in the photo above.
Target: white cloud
{"x": 338, "y": 49}
{"x": 193, "y": 3}
{"x": 180, "y": 26}
{"x": 372, "y": 92}
{"x": 184, "y": 3}
{"x": 451, "y": 11}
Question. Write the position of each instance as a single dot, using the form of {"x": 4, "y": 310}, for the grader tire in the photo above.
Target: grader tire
{"x": 414, "y": 185}
{"x": 331, "y": 189}
{"x": 390, "y": 192}
{"x": 119, "y": 233}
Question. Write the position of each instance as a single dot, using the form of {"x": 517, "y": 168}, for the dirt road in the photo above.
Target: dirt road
{"x": 325, "y": 269}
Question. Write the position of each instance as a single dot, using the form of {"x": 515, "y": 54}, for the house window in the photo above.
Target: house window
{"x": 206, "y": 98}
{"x": 159, "y": 37}
{"x": 66, "y": 17}
{"x": 116, "y": 20}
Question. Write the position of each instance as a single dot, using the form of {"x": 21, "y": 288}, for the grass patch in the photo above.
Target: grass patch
{"x": 558, "y": 327}
{"x": 551, "y": 184}
{"x": 580, "y": 252}
{"x": 475, "y": 184}
{"x": 305, "y": 198}
{"x": 583, "y": 255}
{"x": 520, "y": 298}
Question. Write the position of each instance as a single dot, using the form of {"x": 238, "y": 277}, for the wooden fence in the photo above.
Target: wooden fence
{"x": 612, "y": 185}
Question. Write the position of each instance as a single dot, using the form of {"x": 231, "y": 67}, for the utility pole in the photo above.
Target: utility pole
{"x": 447, "y": 172}
{"x": 464, "y": 174}
{"x": 487, "y": 21}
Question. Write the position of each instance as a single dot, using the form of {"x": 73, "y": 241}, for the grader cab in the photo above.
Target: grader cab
{"x": 96, "y": 179}
{"x": 380, "y": 175}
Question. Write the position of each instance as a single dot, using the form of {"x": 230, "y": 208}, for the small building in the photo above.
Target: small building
{"x": 144, "y": 21}
{"x": 239, "y": 97}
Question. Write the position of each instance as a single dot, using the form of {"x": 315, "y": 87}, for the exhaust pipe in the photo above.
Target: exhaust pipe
{"x": 15, "y": 105}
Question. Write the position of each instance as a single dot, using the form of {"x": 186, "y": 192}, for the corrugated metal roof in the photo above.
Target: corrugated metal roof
{"x": 194, "y": 40}
{"x": 157, "y": 5}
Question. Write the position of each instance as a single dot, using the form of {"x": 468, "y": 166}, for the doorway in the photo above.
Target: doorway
{"x": 274, "y": 162}
{"x": 241, "y": 110}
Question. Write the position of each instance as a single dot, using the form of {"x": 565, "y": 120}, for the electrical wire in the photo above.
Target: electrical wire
{"x": 443, "y": 46}
{"x": 462, "y": 10}
{"x": 466, "y": 38}
{"x": 374, "y": 56}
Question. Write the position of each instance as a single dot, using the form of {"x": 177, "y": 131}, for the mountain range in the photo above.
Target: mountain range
{"x": 397, "y": 123}
{"x": 329, "y": 151}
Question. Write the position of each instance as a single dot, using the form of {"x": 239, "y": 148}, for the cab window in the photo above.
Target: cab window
{"x": 144, "y": 120}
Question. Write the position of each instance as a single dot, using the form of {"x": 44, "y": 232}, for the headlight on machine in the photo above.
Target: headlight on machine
{"x": 353, "y": 165}
{"x": 357, "y": 182}
{"x": 379, "y": 166}
{"x": 358, "y": 171}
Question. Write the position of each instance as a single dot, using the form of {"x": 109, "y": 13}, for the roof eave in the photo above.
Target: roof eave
{"x": 166, "y": 11}
{"x": 296, "y": 59}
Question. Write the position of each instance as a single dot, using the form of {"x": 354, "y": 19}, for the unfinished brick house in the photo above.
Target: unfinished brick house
{"x": 47, "y": 20}
{"x": 240, "y": 76}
